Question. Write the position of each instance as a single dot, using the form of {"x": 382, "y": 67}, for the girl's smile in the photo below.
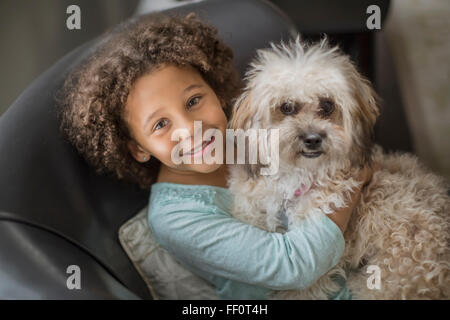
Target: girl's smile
{"x": 201, "y": 149}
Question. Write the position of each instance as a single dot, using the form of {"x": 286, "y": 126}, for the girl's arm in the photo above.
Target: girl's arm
{"x": 210, "y": 240}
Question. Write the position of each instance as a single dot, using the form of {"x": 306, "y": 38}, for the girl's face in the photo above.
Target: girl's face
{"x": 165, "y": 100}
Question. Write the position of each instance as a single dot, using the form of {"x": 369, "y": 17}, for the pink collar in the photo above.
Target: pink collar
{"x": 301, "y": 191}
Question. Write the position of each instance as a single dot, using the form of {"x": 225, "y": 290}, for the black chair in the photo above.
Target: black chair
{"x": 54, "y": 210}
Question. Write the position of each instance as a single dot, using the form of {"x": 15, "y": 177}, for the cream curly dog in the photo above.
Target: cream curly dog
{"x": 325, "y": 112}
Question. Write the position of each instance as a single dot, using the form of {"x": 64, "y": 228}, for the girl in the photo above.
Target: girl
{"x": 148, "y": 79}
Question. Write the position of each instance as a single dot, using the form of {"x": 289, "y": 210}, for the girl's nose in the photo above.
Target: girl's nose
{"x": 186, "y": 123}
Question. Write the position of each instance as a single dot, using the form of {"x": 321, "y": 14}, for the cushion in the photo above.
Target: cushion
{"x": 165, "y": 277}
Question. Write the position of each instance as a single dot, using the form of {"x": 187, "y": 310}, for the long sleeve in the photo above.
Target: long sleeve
{"x": 193, "y": 223}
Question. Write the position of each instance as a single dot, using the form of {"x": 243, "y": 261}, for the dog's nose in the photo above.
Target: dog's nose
{"x": 312, "y": 141}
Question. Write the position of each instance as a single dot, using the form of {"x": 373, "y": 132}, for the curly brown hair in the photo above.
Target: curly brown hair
{"x": 91, "y": 102}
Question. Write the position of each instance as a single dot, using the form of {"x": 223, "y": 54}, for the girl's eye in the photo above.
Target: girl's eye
{"x": 160, "y": 124}
{"x": 192, "y": 102}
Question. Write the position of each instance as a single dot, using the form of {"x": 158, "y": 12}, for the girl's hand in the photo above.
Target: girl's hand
{"x": 342, "y": 216}
{"x": 365, "y": 175}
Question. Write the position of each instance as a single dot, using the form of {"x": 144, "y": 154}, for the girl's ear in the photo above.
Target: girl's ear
{"x": 137, "y": 152}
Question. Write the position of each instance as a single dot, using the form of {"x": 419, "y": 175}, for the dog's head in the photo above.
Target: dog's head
{"x": 324, "y": 109}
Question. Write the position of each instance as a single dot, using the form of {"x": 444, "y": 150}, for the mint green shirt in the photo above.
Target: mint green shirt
{"x": 193, "y": 223}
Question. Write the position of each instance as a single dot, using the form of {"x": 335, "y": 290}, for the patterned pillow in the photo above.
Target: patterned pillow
{"x": 165, "y": 277}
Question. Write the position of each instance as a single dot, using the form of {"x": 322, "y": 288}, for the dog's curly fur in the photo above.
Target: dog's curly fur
{"x": 401, "y": 223}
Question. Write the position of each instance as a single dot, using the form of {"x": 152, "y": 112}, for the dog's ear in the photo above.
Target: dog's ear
{"x": 364, "y": 117}
{"x": 241, "y": 117}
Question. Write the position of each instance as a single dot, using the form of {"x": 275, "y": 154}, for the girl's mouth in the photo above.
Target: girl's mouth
{"x": 200, "y": 150}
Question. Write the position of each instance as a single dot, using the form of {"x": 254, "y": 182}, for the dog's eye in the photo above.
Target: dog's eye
{"x": 288, "y": 108}
{"x": 326, "y": 107}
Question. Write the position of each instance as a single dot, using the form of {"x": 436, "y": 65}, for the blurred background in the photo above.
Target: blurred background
{"x": 407, "y": 60}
